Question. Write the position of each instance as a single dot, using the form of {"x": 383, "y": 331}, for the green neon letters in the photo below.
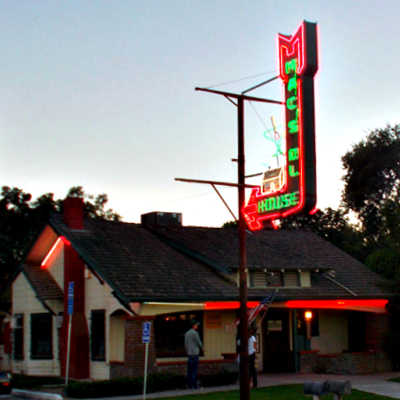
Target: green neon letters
{"x": 291, "y": 103}
{"x": 294, "y": 154}
{"x": 278, "y": 202}
{"x": 291, "y": 66}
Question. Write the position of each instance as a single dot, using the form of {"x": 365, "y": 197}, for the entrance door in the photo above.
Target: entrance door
{"x": 276, "y": 346}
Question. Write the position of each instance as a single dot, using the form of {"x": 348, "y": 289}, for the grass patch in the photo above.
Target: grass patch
{"x": 284, "y": 392}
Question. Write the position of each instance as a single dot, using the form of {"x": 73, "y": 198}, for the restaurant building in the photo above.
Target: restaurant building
{"x": 161, "y": 271}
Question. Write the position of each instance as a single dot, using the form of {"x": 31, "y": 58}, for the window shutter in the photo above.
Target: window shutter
{"x": 291, "y": 278}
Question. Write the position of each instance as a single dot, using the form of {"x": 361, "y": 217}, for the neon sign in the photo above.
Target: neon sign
{"x": 53, "y": 248}
{"x": 337, "y": 304}
{"x": 298, "y": 63}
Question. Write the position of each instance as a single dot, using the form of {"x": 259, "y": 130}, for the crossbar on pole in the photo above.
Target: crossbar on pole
{"x": 215, "y": 183}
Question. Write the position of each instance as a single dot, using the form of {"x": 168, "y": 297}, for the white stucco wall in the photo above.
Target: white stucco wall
{"x": 99, "y": 297}
{"x": 25, "y": 302}
{"x": 219, "y": 333}
{"x": 117, "y": 339}
{"x": 333, "y": 332}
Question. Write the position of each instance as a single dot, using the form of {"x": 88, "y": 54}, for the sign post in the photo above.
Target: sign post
{"x": 70, "y": 312}
{"x": 146, "y": 331}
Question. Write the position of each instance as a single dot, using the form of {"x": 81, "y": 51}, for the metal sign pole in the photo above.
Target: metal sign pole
{"x": 68, "y": 349}
{"x": 146, "y": 358}
{"x": 244, "y": 332}
{"x": 146, "y": 340}
{"x": 70, "y": 312}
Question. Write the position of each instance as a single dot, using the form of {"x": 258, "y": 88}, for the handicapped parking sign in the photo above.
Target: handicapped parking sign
{"x": 146, "y": 332}
{"x": 70, "y": 298}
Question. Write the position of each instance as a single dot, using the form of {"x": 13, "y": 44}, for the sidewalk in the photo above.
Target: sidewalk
{"x": 376, "y": 383}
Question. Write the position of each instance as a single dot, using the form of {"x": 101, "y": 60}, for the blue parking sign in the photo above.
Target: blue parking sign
{"x": 70, "y": 298}
{"x": 146, "y": 332}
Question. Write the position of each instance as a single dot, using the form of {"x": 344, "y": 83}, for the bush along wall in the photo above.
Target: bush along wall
{"x": 131, "y": 386}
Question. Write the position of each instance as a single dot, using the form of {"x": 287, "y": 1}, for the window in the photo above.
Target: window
{"x": 265, "y": 279}
{"x": 170, "y": 331}
{"x": 41, "y": 336}
{"x": 291, "y": 278}
{"x": 98, "y": 335}
{"x": 357, "y": 331}
{"x": 274, "y": 279}
{"x": 18, "y": 347}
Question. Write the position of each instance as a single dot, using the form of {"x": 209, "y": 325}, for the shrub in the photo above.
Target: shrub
{"x": 30, "y": 382}
{"x": 132, "y": 386}
{"x": 124, "y": 386}
{"x": 115, "y": 387}
{"x": 220, "y": 379}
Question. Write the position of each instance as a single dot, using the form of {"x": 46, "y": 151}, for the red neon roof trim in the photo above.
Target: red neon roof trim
{"x": 53, "y": 249}
{"x": 381, "y": 303}
{"x": 228, "y": 305}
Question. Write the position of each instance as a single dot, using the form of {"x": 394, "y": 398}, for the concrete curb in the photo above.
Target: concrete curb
{"x": 28, "y": 394}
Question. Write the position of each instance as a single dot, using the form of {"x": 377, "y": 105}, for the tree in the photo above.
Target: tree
{"x": 372, "y": 177}
{"x": 94, "y": 207}
{"x": 372, "y": 183}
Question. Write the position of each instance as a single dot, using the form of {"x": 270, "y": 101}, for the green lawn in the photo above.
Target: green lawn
{"x": 286, "y": 392}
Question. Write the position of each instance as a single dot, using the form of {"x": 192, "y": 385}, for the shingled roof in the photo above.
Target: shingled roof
{"x": 334, "y": 273}
{"x": 177, "y": 263}
{"x": 140, "y": 267}
{"x": 44, "y": 285}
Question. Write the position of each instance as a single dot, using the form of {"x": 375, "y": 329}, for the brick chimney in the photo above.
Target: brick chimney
{"x": 73, "y": 212}
{"x": 74, "y": 268}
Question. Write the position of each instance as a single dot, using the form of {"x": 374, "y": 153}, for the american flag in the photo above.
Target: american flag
{"x": 263, "y": 306}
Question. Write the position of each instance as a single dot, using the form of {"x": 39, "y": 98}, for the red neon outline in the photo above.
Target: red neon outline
{"x": 228, "y": 305}
{"x": 314, "y": 211}
{"x": 296, "y": 43}
{"x": 288, "y": 46}
{"x": 60, "y": 239}
{"x": 381, "y": 303}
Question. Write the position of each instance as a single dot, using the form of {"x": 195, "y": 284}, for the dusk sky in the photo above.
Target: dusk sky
{"x": 100, "y": 93}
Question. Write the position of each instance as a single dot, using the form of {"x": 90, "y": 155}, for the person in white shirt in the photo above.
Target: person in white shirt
{"x": 252, "y": 356}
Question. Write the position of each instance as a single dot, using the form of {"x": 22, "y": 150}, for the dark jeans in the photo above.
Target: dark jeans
{"x": 252, "y": 369}
{"x": 193, "y": 362}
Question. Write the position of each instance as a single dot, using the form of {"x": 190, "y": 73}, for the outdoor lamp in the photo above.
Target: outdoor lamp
{"x": 308, "y": 317}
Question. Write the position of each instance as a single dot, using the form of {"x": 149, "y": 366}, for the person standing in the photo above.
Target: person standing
{"x": 193, "y": 346}
{"x": 252, "y": 356}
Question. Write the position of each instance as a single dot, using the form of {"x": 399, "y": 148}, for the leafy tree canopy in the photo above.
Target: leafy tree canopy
{"x": 372, "y": 178}
{"x": 371, "y": 191}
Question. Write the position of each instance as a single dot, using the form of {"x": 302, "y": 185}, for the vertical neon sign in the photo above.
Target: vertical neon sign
{"x": 298, "y": 63}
